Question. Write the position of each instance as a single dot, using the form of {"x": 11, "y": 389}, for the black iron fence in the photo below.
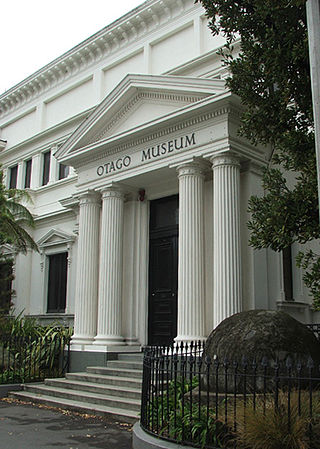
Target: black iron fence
{"x": 30, "y": 359}
{"x": 193, "y": 400}
{"x": 315, "y": 328}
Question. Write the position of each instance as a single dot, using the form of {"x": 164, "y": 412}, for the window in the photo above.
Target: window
{"x": 57, "y": 282}
{"x": 6, "y": 277}
{"x": 287, "y": 273}
{"x": 13, "y": 177}
{"x": 46, "y": 168}
{"x": 63, "y": 171}
{"x": 27, "y": 175}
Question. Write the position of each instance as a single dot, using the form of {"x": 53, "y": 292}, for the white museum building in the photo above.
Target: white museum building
{"x": 128, "y": 145}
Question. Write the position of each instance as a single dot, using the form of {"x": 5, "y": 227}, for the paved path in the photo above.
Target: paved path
{"x": 27, "y": 426}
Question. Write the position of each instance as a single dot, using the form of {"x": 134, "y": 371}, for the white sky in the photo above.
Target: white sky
{"x": 34, "y": 32}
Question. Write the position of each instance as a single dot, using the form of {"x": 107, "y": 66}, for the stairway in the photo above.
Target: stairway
{"x": 112, "y": 390}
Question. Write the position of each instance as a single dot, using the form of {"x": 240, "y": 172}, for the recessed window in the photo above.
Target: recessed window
{"x": 6, "y": 277}
{"x": 27, "y": 175}
{"x": 46, "y": 168}
{"x": 287, "y": 273}
{"x": 13, "y": 177}
{"x": 57, "y": 282}
{"x": 63, "y": 171}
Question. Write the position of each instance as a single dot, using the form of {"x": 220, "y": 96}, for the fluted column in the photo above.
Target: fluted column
{"x": 191, "y": 253}
{"x": 227, "y": 296}
{"x": 85, "y": 326}
{"x": 110, "y": 278}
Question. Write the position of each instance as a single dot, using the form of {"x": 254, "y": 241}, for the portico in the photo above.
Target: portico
{"x": 162, "y": 136}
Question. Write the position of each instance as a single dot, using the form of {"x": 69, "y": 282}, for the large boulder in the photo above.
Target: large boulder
{"x": 260, "y": 336}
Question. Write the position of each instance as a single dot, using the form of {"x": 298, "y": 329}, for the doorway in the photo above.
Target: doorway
{"x": 163, "y": 270}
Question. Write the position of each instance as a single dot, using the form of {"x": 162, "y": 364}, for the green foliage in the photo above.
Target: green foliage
{"x": 271, "y": 75}
{"x": 310, "y": 262}
{"x": 14, "y": 218}
{"x": 181, "y": 420}
{"x": 30, "y": 351}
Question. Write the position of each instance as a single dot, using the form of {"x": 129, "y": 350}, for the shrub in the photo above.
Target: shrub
{"x": 266, "y": 426}
{"x": 29, "y": 351}
{"x": 173, "y": 413}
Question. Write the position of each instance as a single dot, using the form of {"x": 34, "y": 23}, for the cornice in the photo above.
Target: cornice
{"x": 119, "y": 34}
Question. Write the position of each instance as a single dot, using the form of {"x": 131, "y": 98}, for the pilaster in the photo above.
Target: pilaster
{"x": 20, "y": 175}
{"x": 35, "y": 171}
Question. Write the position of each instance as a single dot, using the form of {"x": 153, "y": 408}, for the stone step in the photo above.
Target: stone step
{"x": 94, "y": 398}
{"x": 79, "y": 406}
{"x": 108, "y": 390}
{"x": 130, "y": 373}
{"x": 138, "y": 356}
{"x": 121, "y": 382}
{"x": 125, "y": 364}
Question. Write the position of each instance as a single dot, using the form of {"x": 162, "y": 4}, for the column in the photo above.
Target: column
{"x": 110, "y": 279}
{"x": 226, "y": 237}
{"x": 85, "y": 327}
{"x": 191, "y": 253}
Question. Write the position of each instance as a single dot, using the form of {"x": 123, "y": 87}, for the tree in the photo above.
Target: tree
{"x": 14, "y": 218}
{"x": 271, "y": 74}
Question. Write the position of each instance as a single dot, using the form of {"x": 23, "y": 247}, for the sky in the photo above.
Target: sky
{"x": 35, "y": 32}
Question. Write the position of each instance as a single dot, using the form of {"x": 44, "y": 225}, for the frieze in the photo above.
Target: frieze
{"x": 144, "y": 155}
{"x": 127, "y": 147}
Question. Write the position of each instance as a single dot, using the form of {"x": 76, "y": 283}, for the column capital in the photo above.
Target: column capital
{"x": 89, "y": 197}
{"x": 225, "y": 159}
{"x": 193, "y": 168}
{"x": 112, "y": 192}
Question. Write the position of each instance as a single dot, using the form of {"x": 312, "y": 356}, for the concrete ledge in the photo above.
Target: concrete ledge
{"x": 142, "y": 440}
{"x": 6, "y": 388}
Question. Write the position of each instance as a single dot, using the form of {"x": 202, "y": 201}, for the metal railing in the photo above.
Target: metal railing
{"x": 31, "y": 359}
{"x": 315, "y": 328}
{"x": 190, "y": 399}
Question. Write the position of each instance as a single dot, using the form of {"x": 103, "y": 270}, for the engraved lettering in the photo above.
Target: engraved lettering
{"x": 100, "y": 170}
{"x": 191, "y": 140}
{"x": 145, "y": 154}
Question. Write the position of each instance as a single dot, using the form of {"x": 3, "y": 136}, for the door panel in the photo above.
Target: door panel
{"x": 163, "y": 290}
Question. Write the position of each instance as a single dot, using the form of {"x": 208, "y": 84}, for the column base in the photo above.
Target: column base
{"x": 81, "y": 340}
{"x": 109, "y": 340}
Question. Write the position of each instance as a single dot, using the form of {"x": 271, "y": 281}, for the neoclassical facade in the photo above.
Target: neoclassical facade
{"x": 128, "y": 145}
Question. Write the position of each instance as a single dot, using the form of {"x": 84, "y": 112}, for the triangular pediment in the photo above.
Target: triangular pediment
{"x": 55, "y": 237}
{"x": 138, "y": 100}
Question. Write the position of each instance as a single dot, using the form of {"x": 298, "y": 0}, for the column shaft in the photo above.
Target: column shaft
{"x": 226, "y": 238}
{"x": 87, "y": 272}
{"x": 110, "y": 280}
{"x": 191, "y": 254}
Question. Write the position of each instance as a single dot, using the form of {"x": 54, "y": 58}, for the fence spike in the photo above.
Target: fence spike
{"x": 310, "y": 363}
{"x": 289, "y": 363}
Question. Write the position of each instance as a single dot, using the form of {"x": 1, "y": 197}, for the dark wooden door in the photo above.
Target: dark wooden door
{"x": 163, "y": 271}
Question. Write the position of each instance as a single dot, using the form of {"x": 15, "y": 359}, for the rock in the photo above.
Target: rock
{"x": 257, "y": 335}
